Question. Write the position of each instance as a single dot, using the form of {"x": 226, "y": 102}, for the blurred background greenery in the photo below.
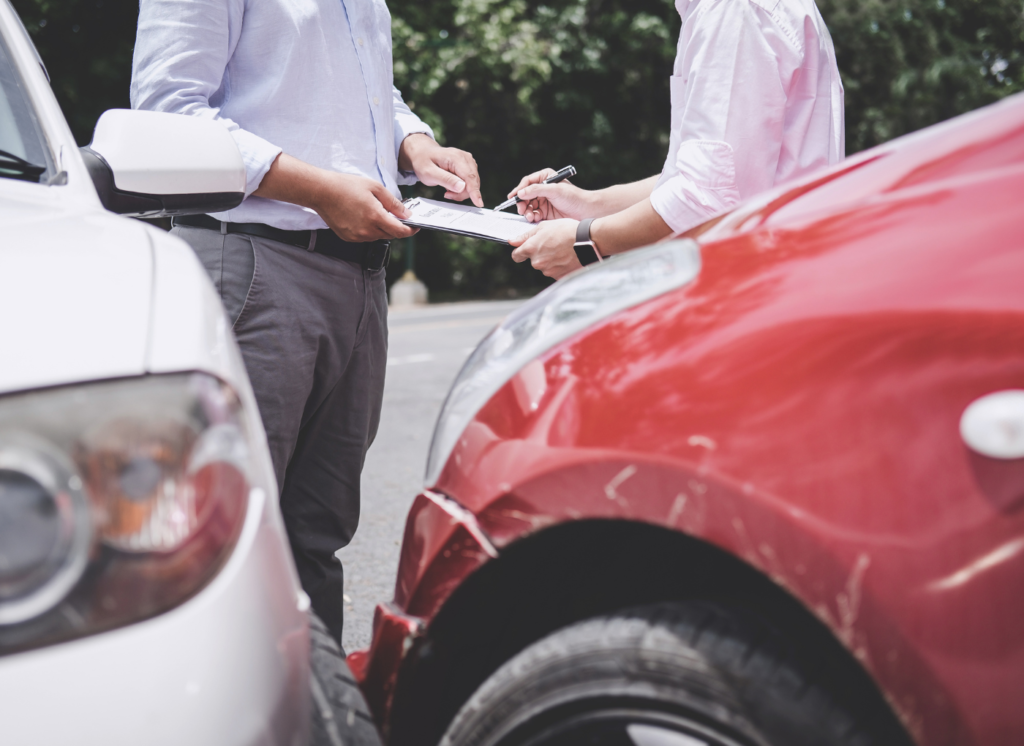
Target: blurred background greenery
{"x": 525, "y": 84}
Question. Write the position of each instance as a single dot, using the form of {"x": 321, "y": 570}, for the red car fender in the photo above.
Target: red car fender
{"x": 798, "y": 406}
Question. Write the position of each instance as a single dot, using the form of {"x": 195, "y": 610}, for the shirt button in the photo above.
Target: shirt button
{"x": 376, "y": 100}
{"x": 359, "y": 42}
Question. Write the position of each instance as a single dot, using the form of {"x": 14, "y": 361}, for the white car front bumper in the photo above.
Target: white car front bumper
{"x": 229, "y": 667}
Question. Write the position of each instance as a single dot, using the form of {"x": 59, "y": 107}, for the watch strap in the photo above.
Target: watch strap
{"x": 583, "y": 231}
{"x": 585, "y": 249}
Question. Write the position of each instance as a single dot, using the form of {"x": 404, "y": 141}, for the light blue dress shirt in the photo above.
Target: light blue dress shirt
{"x": 313, "y": 78}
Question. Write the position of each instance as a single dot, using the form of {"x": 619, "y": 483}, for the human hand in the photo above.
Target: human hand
{"x": 542, "y": 201}
{"x": 454, "y": 169}
{"x": 359, "y": 209}
{"x": 549, "y": 247}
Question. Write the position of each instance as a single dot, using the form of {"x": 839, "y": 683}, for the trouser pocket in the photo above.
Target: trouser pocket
{"x": 230, "y": 261}
{"x": 240, "y": 277}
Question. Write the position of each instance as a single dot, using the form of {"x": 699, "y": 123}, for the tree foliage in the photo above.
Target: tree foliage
{"x": 86, "y": 46}
{"x": 907, "y": 64}
{"x": 524, "y": 84}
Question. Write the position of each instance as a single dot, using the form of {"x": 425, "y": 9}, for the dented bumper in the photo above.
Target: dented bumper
{"x": 376, "y": 669}
{"x": 443, "y": 544}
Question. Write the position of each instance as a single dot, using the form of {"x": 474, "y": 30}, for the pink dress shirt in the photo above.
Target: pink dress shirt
{"x": 756, "y": 101}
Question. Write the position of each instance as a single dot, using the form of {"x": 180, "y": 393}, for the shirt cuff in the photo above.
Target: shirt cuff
{"x": 258, "y": 155}
{"x": 684, "y": 205}
{"x": 405, "y": 125}
{"x": 704, "y": 184}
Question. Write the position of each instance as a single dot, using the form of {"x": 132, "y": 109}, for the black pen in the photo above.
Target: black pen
{"x": 562, "y": 175}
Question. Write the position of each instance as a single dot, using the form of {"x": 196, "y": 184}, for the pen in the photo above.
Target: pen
{"x": 562, "y": 175}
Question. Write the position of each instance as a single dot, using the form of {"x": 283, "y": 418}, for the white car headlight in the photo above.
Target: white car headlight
{"x": 558, "y": 313}
{"x": 118, "y": 500}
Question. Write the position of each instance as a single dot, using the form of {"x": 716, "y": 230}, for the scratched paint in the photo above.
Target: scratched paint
{"x": 611, "y": 490}
{"x": 678, "y": 506}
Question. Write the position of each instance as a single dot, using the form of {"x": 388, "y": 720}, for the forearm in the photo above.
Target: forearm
{"x": 638, "y": 225}
{"x": 294, "y": 181}
{"x": 356, "y": 208}
{"x": 621, "y": 197}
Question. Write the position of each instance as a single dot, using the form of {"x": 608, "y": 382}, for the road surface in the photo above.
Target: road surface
{"x": 427, "y": 348}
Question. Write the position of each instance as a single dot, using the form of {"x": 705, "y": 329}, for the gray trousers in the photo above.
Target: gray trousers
{"x": 313, "y": 333}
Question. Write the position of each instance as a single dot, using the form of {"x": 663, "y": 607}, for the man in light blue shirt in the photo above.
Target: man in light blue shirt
{"x": 306, "y": 89}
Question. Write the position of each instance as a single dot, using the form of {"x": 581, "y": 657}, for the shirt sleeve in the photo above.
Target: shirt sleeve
{"x": 406, "y": 123}
{"x": 729, "y": 104}
{"x": 182, "y": 50}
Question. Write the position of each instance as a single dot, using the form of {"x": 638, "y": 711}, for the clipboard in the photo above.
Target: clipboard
{"x": 463, "y": 220}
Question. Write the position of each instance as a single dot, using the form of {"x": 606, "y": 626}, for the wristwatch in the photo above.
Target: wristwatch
{"x": 586, "y": 250}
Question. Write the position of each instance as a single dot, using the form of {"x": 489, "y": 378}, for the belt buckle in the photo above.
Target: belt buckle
{"x": 376, "y": 256}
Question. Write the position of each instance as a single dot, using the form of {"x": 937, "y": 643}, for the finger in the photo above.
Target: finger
{"x": 541, "y": 191}
{"x": 521, "y": 254}
{"x": 534, "y": 178}
{"x": 527, "y": 208}
{"x": 392, "y": 228}
{"x": 389, "y": 201}
{"x": 541, "y": 264}
{"x": 388, "y": 211}
{"x": 434, "y": 175}
{"x": 520, "y": 240}
{"x": 464, "y": 166}
{"x": 476, "y": 197}
{"x": 473, "y": 195}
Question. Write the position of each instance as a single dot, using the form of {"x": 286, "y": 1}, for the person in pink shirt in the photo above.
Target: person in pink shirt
{"x": 756, "y": 101}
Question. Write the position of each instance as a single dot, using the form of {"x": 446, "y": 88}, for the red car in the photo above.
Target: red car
{"x": 762, "y": 484}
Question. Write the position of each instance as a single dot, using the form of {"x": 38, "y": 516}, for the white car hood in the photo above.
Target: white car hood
{"x": 86, "y": 295}
{"x": 75, "y": 291}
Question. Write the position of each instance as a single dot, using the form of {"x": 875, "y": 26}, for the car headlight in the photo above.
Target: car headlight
{"x": 118, "y": 500}
{"x": 561, "y": 311}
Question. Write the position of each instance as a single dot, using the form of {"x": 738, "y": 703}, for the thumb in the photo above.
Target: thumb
{"x": 520, "y": 240}
{"x": 389, "y": 202}
{"x": 434, "y": 175}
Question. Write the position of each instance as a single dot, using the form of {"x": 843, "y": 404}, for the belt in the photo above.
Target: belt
{"x": 371, "y": 256}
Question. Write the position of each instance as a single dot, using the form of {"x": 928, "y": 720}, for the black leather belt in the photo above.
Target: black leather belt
{"x": 371, "y": 256}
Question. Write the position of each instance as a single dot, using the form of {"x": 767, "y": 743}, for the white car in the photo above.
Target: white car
{"x": 147, "y": 591}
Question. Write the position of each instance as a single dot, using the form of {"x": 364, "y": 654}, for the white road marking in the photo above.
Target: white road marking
{"x": 477, "y": 321}
{"x": 410, "y": 359}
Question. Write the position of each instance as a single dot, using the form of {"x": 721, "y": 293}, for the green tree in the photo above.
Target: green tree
{"x": 86, "y": 46}
{"x": 524, "y": 84}
{"x": 907, "y": 64}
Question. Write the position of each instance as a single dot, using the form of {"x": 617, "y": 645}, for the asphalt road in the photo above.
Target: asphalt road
{"x": 427, "y": 348}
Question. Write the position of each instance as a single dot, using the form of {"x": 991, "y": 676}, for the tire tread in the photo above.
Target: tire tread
{"x": 721, "y": 665}
{"x": 347, "y": 720}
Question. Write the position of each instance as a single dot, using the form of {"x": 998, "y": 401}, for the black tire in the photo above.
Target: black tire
{"x": 340, "y": 716}
{"x": 673, "y": 674}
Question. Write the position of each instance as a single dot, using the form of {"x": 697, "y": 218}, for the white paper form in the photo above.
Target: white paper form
{"x": 462, "y": 220}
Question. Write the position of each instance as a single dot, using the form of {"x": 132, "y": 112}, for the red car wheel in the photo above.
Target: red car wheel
{"x": 691, "y": 674}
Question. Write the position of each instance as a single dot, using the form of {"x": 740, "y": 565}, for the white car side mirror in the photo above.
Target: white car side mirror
{"x": 153, "y": 164}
